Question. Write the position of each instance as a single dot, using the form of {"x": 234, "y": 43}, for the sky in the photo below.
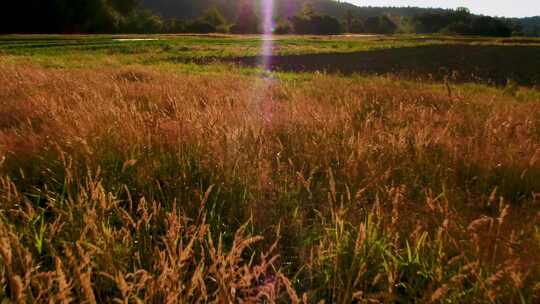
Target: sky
{"x": 502, "y": 8}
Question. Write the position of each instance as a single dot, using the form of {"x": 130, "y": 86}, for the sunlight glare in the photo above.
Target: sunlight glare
{"x": 268, "y": 30}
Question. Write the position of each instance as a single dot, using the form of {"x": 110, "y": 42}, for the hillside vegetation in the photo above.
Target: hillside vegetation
{"x": 243, "y": 17}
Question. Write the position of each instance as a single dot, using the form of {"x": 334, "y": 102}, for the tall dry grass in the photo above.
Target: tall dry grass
{"x": 136, "y": 185}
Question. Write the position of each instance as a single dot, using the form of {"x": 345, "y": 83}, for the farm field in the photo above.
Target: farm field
{"x": 292, "y": 169}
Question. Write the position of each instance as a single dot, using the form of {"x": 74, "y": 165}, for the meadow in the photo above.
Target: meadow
{"x": 361, "y": 169}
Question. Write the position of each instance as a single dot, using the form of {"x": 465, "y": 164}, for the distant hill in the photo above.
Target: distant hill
{"x": 531, "y": 25}
{"x": 186, "y": 9}
{"x": 284, "y": 9}
{"x": 199, "y": 16}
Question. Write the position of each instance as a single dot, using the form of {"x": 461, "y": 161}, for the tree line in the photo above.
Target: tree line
{"x": 462, "y": 22}
{"x": 76, "y": 16}
{"x": 129, "y": 16}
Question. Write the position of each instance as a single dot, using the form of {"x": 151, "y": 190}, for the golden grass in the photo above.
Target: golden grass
{"x": 135, "y": 185}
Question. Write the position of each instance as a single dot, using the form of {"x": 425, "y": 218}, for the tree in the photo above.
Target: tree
{"x": 517, "y": 29}
{"x": 214, "y": 17}
{"x": 247, "y": 21}
{"x": 462, "y": 14}
{"x": 307, "y": 10}
{"x": 173, "y": 25}
{"x": 101, "y": 18}
{"x": 463, "y": 10}
{"x": 143, "y": 22}
{"x": 316, "y": 25}
{"x": 431, "y": 22}
{"x": 380, "y": 25}
{"x": 349, "y": 17}
{"x": 124, "y": 7}
{"x": 200, "y": 26}
{"x": 66, "y": 16}
{"x": 327, "y": 25}
{"x": 282, "y": 27}
{"x": 357, "y": 26}
{"x": 457, "y": 28}
{"x": 488, "y": 26}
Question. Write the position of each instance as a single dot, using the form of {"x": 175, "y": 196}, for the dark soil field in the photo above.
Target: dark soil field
{"x": 457, "y": 62}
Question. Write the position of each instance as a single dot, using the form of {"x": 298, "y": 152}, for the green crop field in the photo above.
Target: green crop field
{"x": 292, "y": 169}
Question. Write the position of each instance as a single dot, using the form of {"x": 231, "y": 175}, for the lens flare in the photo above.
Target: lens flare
{"x": 267, "y": 13}
{"x": 261, "y": 94}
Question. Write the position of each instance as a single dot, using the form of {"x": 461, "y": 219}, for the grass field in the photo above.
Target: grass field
{"x": 398, "y": 169}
